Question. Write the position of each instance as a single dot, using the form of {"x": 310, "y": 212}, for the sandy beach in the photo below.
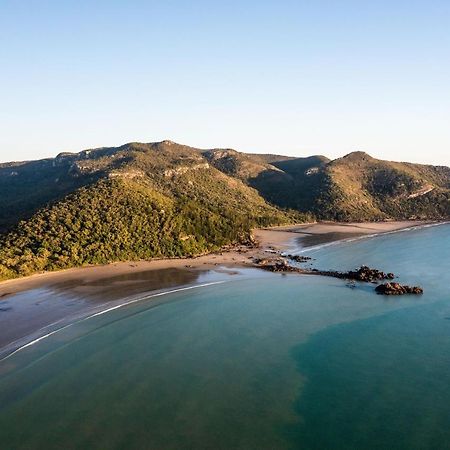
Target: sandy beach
{"x": 309, "y": 235}
{"x": 33, "y": 305}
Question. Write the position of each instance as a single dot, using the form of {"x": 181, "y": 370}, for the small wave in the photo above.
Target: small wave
{"x": 315, "y": 248}
{"x": 105, "y": 311}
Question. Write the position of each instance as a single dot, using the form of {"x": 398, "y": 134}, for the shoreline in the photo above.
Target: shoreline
{"x": 269, "y": 240}
{"x": 23, "y": 342}
{"x": 31, "y": 306}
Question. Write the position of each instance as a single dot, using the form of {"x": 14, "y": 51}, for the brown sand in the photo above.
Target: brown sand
{"x": 307, "y": 235}
{"x": 350, "y": 227}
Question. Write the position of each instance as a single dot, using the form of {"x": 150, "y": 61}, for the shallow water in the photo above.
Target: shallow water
{"x": 260, "y": 361}
{"x": 27, "y": 314}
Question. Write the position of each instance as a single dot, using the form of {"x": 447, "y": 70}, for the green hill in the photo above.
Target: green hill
{"x": 141, "y": 201}
{"x": 355, "y": 187}
{"x": 138, "y": 201}
{"x": 359, "y": 187}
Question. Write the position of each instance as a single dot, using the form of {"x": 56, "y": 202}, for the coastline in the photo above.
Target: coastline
{"x": 269, "y": 240}
{"x": 32, "y": 306}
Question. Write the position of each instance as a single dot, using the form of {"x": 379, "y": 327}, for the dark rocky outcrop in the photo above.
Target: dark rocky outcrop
{"x": 367, "y": 274}
{"x": 276, "y": 265}
{"x": 363, "y": 274}
{"x": 299, "y": 258}
{"x": 397, "y": 289}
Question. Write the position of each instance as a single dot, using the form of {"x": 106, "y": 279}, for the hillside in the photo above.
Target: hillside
{"x": 360, "y": 187}
{"x": 137, "y": 201}
{"x": 141, "y": 201}
{"x": 355, "y": 187}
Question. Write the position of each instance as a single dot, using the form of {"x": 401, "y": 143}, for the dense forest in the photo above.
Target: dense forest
{"x": 151, "y": 206}
{"x": 356, "y": 187}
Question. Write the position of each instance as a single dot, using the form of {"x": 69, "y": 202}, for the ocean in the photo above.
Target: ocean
{"x": 254, "y": 361}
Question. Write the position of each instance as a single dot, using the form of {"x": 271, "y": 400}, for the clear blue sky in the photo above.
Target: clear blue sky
{"x": 291, "y": 77}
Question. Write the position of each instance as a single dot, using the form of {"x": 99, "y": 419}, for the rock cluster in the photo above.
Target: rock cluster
{"x": 299, "y": 258}
{"x": 364, "y": 274}
{"x": 367, "y": 274}
{"x": 275, "y": 265}
{"x": 397, "y": 289}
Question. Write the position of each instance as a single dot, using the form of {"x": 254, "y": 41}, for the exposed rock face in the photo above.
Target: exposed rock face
{"x": 397, "y": 289}
{"x": 183, "y": 169}
{"x": 129, "y": 174}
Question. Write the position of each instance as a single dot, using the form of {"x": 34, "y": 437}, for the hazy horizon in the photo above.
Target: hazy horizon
{"x": 291, "y": 78}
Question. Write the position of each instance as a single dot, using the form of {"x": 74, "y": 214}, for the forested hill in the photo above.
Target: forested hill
{"x": 355, "y": 187}
{"x": 164, "y": 199}
{"x": 137, "y": 201}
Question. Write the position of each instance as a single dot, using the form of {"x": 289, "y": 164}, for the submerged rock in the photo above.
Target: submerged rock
{"x": 397, "y": 289}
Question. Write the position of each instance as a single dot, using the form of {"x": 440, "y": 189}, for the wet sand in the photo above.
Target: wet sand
{"x": 35, "y": 305}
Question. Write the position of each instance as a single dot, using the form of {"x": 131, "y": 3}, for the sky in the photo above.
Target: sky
{"x": 287, "y": 77}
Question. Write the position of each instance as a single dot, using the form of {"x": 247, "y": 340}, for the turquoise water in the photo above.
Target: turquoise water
{"x": 260, "y": 362}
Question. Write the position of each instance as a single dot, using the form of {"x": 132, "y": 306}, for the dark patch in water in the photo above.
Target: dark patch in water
{"x": 376, "y": 383}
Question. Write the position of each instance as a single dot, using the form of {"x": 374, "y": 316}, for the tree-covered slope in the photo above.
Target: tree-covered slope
{"x": 364, "y": 188}
{"x": 139, "y": 201}
{"x": 355, "y": 187}
{"x": 283, "y": 181}
{"x": 28, "y": 186}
